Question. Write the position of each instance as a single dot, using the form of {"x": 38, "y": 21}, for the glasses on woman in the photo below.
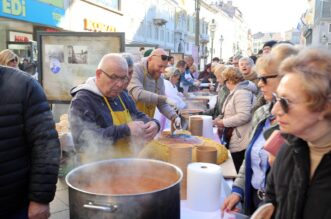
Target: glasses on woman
{"x": 163, "y": 57}
{"x": 14, "y": 60}
{"x": 264, "y": 79}
{"x": 116, "y": 78}
{"x": 284, "y": 103}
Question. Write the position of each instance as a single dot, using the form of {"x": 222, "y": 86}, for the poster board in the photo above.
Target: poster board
{"x": 137, "y": 50}
{"x": 177, "y": 57}
{"x": 67, "y": 59}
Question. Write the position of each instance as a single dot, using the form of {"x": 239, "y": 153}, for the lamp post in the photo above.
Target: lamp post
{"x": 221, "y": 46}
{"x": 197, "y": 30}
{"x": 212, "y": 28}
{"x": 197, "y": 23}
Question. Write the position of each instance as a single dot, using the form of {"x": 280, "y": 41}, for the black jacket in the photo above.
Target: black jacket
{"x": 29, "y": 145}
{"x": 289, "y": 187}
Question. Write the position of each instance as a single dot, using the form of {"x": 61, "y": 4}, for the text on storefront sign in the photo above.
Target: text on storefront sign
{"x": 14, "y": 7}
{"x": 98, "y": 26}
{"x": 47, "y": 12}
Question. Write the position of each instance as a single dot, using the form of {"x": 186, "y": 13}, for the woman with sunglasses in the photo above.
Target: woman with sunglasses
{"x": 249, "y": 185}
{"x": 8, "y": 58}
{"x": 299, "y": 185}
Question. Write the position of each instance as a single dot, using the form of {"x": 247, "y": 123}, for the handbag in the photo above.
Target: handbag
{"x": 225, "y": 135}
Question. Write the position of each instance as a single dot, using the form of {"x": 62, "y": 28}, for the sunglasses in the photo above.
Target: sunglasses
{"x": 14, "y": 60}
{"x": 115, "y": 78}
{"x": 163, "y": 57}
{"x": 264, "y": 79}
{"x": 284, "y": 103}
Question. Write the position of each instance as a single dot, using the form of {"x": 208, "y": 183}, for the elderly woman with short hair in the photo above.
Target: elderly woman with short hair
{"x": 222, "y": 90}
{"x": 236, "y": 113}
{"x": 299, "y": 185}
{"x": 246, "y": 66}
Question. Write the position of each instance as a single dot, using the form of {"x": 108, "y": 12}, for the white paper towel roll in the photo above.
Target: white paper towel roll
{"x": 207, "y": 129}
{"x": 204, "y": 186}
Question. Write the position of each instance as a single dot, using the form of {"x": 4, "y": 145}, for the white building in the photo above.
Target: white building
{"x": 170, "y": 24}
{"x": 319, "y": 22}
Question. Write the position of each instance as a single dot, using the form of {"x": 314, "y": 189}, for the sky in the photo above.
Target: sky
{"x": 271, "y": 15}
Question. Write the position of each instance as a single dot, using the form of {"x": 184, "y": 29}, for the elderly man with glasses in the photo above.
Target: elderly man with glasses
{"x": 147, "y": 87}
{"x": 104, "y": 120}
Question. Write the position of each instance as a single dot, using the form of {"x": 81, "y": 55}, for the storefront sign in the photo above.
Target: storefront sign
{"x": 36, "y": 11}
{"x": 19, "y": 36}
{"x": 98, "y": 26}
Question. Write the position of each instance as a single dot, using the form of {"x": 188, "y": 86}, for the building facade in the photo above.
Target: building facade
{"x": 170, "y": 24}
{"x": 21, "y": 19}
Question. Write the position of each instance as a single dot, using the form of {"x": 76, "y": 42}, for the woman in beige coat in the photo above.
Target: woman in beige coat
{"x": 236, "y": 113}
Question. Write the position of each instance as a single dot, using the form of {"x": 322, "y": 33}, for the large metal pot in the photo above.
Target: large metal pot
{"x": 110, "y": 189}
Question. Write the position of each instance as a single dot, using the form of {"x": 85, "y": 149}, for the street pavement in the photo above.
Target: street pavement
{"x": 60, "y": 205}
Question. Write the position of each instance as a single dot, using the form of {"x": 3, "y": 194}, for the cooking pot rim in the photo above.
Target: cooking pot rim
{"x": 177, "y": 169}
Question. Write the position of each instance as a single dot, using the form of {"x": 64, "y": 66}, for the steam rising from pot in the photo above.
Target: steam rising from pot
{"x": 94, "y": 144}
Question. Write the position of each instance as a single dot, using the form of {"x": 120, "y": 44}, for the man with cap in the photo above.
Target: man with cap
{"x": 103, "y": 118}
{"x": 147, "y": 87}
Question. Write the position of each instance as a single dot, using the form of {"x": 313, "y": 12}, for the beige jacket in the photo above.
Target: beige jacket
{"x": 237, "y": 114}
{"x": 146, "y": 92}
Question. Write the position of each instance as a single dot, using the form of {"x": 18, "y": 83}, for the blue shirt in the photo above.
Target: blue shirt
{"x": 259, "y": 159}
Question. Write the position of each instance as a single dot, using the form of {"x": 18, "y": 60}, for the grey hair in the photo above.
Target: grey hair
{"x": 170, "y": 72}
{"x": 128, "y": 58}
{"x": 112, "y": 58}
{"x": 237, "y": 57}
{"x": 248, "y": 60}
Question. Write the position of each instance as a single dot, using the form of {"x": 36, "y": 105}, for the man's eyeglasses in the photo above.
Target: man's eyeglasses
{"x": 284, "y": 103}
{"x": 163, "y": 57}
{"x": 264, "y": 79}
{"x": 116, "y": 78}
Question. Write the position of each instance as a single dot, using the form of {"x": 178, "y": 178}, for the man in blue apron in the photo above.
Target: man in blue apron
{"x": 104, "y": 120}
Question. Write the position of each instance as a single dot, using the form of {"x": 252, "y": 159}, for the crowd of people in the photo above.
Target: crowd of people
{"x": 126, "y": 104}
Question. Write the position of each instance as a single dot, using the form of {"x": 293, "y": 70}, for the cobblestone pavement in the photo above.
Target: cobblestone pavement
{"x": 60, "y": 205}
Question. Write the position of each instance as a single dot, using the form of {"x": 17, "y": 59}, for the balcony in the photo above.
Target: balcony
{"x": 159, "y": 21}
{"x": 204, "y": 38}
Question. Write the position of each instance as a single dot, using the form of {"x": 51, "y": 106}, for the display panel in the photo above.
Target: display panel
{"x": 67, "y": 59}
